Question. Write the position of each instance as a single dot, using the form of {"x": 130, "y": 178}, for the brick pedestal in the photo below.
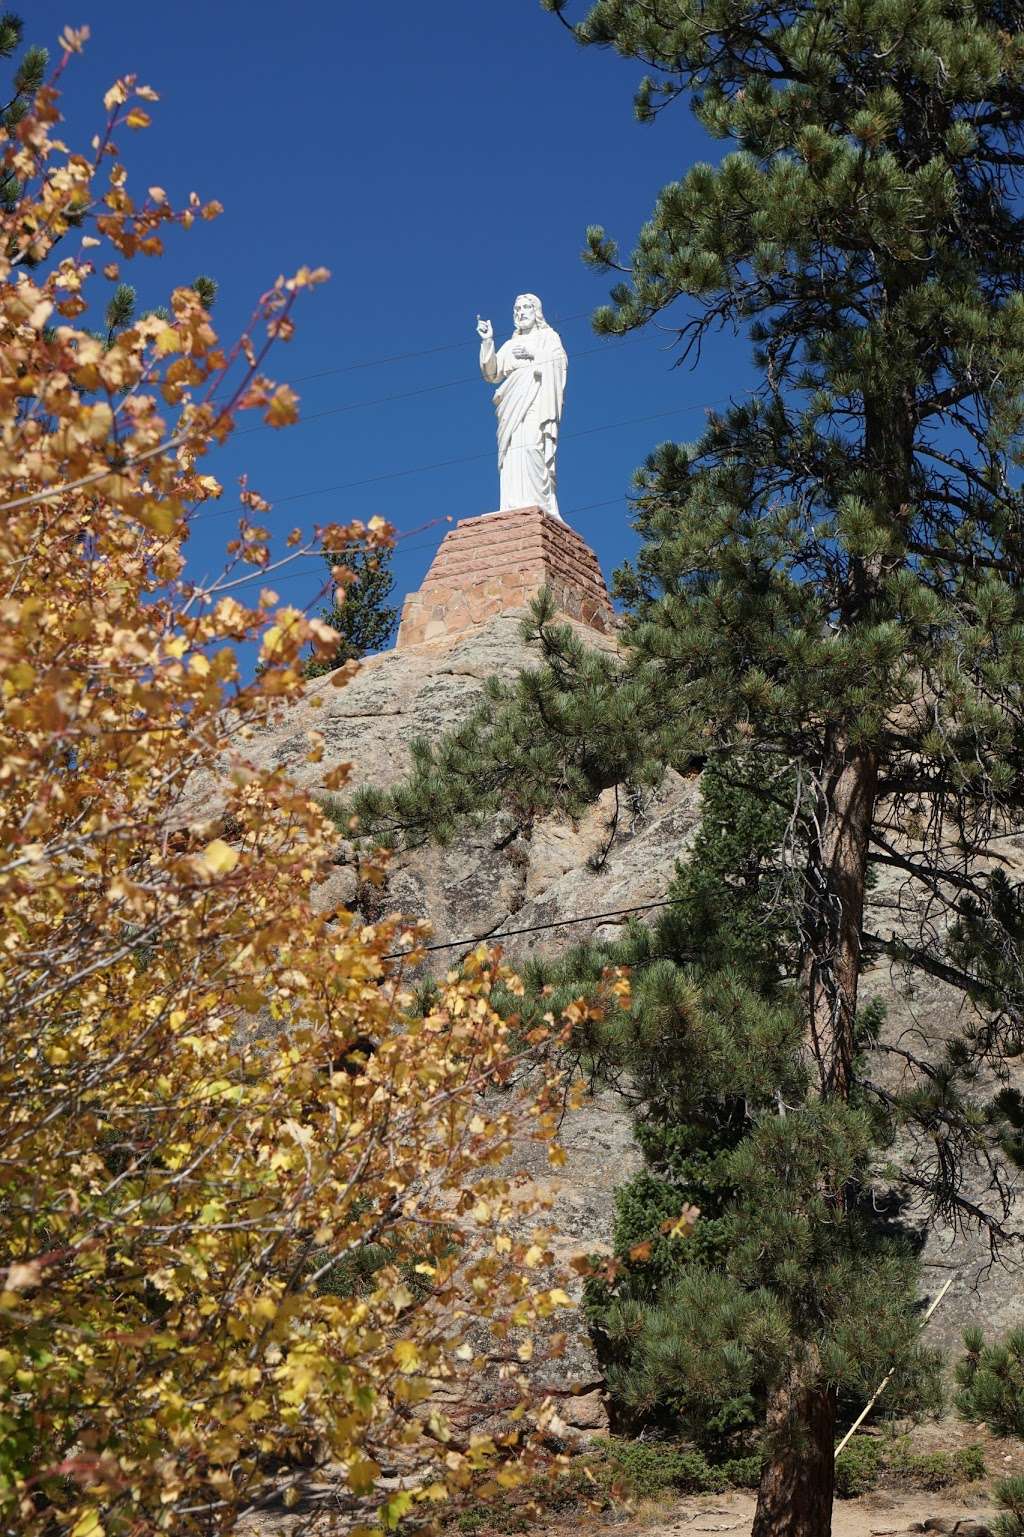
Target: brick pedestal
{"x": 500, "y": 561}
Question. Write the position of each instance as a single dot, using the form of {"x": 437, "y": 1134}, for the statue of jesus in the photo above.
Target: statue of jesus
{"x": 529, "y": 371}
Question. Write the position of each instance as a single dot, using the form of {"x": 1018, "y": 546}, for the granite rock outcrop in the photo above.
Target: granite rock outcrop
{"x": 546, "y": 881}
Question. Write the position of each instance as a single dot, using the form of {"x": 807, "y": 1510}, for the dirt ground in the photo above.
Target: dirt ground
{"x": 884, "y": 1512}
{"x": 880, "y": 1514}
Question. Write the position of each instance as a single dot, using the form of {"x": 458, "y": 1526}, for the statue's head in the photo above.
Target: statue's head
{"x": 527, "y": 313}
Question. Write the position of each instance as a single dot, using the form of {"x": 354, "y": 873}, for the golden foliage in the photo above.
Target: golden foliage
{"x": 214, "y": 1099}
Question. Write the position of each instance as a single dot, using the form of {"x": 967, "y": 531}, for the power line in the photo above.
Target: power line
{"x": 426, "y": 352}
{"x": 426, "y": 389}
{"x": 444, "y": 464}
{"x": 534, "y": 928}
{"x": 428, "y": 544}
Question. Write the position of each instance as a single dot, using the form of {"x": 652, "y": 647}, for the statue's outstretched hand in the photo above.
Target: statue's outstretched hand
{"x": 484, "y": 330}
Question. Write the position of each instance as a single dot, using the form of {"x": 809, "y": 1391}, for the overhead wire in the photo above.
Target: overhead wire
{"x": 305, "y": 574}
{"x": 472, "y": 940}
{"x": 443, "y": 464}
{"x": 209, "y": 513}
{"x": 407, "y": 357}
{"x": 428, "y": 544}
{"x": 426, "y": 389}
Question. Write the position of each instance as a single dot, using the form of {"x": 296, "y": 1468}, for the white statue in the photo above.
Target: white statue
{"x": 529, "y": 371}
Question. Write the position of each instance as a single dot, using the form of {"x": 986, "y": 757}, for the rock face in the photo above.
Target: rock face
{"x": 477, "y": 888}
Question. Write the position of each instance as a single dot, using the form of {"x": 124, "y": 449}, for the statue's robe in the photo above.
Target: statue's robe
{"x": 528, "y": 403}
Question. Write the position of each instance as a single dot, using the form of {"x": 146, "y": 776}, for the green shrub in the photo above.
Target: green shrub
{"x": 742, "y": 1472}
{"x": 972, "y": 1463}
{"x": 647, "y": 1469}
{"x": 937, "y": 1470}
{"x": 866, "y": 1460}
{"x": 353, "y": 1275}
{"x": 501, "y": 1516}
{"x": 858, "y": 1467}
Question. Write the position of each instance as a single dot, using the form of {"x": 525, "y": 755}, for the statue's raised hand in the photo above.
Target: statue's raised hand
{"x": 484, "y": 330}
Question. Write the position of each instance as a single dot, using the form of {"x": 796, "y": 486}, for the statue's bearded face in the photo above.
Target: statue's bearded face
{"x": 524, "y": 315}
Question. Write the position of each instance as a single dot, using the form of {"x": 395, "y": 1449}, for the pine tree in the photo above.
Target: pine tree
{"x": 708, "y": 1054}
{"x": 830, "y": 578}
{"x": 1009, "y": 1497}
{"x": 991, "y": 1382}
{"x": 364, "y": 620}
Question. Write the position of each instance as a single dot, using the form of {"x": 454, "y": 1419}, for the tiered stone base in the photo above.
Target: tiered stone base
{"x": 500, "y": 561}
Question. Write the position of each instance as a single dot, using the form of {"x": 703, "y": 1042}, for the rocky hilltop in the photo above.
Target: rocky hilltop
{"x": 546, "y": 882}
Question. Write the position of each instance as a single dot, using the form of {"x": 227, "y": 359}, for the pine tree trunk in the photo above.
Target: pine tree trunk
{"x": 834, "y": 915}
{"x": 794, "y": 1498}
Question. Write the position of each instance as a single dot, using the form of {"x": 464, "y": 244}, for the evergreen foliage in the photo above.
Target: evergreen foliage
{"x": 1009, "y": 1496}
{"x": 828, "y": 580}
{"x": 708, "y": 1052}
{"x": 121, "y": 311}
{"x": 365, "y": 621}
{"x": 991, "y": 1382}
{"x": 29, "y": 75}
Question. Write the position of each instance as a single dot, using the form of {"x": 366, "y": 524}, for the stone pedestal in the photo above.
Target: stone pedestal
{"x": 500, "y": 561}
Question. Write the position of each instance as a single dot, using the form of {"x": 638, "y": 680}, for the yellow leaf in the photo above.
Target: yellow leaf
{"x": 407, "y": 1356}
{"x": 398, "y": 1506}
{"x": 219, "y": 858}
{"x": 683, "y": 1225}
{"x": 161, "y": 517}
{"x": 198, "y": 664}
{"x": 362, "y": 1475}
{"x": 21, "y": 675}
{"x": 271, "y": 640}
{"x": 283, "y": 408}
{"x": 167, "y": 340}
{"x": 88, "y": 1525}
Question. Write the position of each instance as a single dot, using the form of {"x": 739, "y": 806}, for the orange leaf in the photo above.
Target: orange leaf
{"x": 283, "y": 408}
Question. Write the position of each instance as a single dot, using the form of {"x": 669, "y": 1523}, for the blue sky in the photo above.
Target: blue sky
{"x": 438, "y": 158}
